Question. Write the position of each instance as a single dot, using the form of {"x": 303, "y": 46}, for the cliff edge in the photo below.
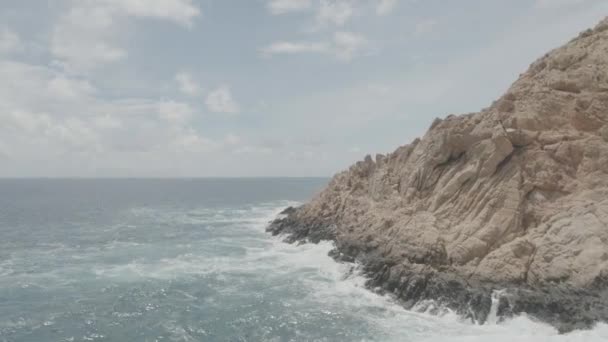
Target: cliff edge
{"x": 512, "y": 198}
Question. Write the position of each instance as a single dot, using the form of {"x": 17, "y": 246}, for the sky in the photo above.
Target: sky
{"x": 231, "y": 88}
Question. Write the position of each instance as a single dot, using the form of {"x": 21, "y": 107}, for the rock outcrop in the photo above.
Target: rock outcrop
{"x": 514, "y": 197}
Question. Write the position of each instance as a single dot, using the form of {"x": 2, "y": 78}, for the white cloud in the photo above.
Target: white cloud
{"x": 83, "y": 38}
{"x": 187, "y": 84}
{"x": 425, "y": 26}
{"x": 45, "y": 131}
{"x": 76, "y": 133}
{"x": 40, "y": 89}
{"x": 179, "y": 11}
{"x": 294, "y": 48}
{"x": 9, "y": 42}
{"x": 343, "y": 46}
{"x": 5, "y": 152}
{"x": 90, "y": 35}
{"x": 25, "y": 121}
{"x": 190, "y": 140}
{"x": 220, "y": 101}
{"x": 69, "y": 88}
{"x": 62, "y": 124}
{"x": 232, "y": 139}
{"x": 348, "y": 44}
{"x": 385, "y": 6}
{"x": 285, "y": 6}
{"x": 252, "y": 149}
{"x": 107, "y": 122}
{"x": 335, "y": 12}
{"x": 557, "y": 3}
{"x": 175, "y": 113}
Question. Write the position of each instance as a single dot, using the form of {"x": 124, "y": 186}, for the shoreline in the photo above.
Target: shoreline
{"x": 564, "y": 307}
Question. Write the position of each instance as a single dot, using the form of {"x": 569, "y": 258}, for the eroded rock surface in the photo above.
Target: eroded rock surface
{"x": 515, "y": 197}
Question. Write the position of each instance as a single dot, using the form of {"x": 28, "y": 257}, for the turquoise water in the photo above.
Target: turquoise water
{"x": 188, "y": 260}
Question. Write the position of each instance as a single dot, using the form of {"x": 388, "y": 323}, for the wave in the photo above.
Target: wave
{"x": 342, "y": 286}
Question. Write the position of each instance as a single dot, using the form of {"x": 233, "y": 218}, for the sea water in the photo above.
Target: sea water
{"x": 188, "y": 260}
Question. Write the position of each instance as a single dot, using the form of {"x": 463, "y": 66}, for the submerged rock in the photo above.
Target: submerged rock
{"x": 514, "y": 197}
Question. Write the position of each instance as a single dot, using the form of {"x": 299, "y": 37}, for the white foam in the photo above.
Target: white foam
{"x": 520, "y": 329}
{"x": 342, "y": 286}
{"x": 493, "y": 315}
{"x": 6, "y": 267}
{"x": 434, "y": 323}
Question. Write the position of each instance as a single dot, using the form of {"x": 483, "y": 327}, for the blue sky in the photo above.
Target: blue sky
{"x": 182, "y": 88}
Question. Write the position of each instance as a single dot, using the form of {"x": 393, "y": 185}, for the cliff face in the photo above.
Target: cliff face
{"x": 515, "y": 196}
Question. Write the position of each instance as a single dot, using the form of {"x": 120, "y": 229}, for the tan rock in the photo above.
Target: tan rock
{"x": 501, "y": 191}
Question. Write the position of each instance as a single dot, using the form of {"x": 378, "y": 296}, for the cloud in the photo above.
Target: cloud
{"x": 385, "y": 7}
{"x": 47, "y": 132}
{"x": 557, "y": 3}
{"x": 220, "y": 101}
{"x": 9, "y": 42}
{"x": 181, "y": 12}
{"x": 343, "y": 46}
{"x": 191, "y": 141}
{"x": 90, "y": 35}
{"x": 107, "y": 122}
{"x": 232, "y": 139}
{"x": 250, "y": 149}
{"x": 63, "y": 123}
{"x": 175, "y": 113}
{"x": 424, "y": 27}
{"x": 285, "y": 6}
{"x": 348, "y": 44}
{"x": 186, "y": 83}
{"x": 25, "y": 121}
{"x": 41, "y": 89}
{"x": 294, "y": 48}
{"x": 83, "y": 38}
{"x": 334, "y": 12}
{"x": 69, "y": 88}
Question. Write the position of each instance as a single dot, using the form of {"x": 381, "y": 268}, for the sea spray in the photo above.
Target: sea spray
{"x": 493, "y": 315}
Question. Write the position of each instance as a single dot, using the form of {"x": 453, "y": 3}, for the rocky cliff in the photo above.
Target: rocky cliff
{"x": 514, "y": 197}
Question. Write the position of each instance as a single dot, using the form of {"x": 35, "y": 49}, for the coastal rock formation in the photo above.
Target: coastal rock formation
{"x": 514, "y": 197}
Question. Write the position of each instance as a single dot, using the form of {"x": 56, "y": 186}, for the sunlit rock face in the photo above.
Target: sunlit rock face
{"x": 514, "y": 196}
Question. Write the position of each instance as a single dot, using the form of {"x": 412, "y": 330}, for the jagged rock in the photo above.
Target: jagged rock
{"x": 513, "y": 197}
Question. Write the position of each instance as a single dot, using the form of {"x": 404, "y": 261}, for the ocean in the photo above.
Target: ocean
{"x": 188, "y": 260}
